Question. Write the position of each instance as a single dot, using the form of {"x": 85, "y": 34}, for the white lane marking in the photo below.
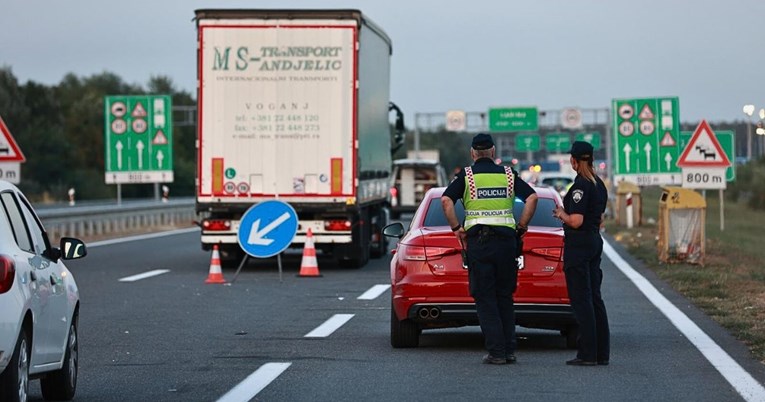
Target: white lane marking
{"x": 141, "y": 237}
{"x": 329, "y": 326}
{"x": 749, "y": 388}
{"x": 373, "y": 292}
{"x": 144, "y": 275}
{"x": 254, "y": 383}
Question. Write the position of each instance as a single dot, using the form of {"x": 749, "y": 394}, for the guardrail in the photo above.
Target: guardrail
{"x": 133, "y": 216}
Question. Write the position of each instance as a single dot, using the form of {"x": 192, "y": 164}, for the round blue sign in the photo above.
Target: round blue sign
{"x": 267, "y": 228}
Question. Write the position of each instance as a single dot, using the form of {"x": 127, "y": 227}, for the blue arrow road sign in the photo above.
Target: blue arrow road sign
{"x": 267, "y": 228}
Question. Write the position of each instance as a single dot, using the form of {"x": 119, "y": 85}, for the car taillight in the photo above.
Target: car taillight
{"x": 412, "y": 253}
{"x": 550, "y": 253}
{"x": 7, "y": 273}
{"x": 337, "y": 224}
{"x": 216, "y": 224}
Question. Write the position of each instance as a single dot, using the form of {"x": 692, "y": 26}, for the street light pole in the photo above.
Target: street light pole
{"x": 749, "y": 111}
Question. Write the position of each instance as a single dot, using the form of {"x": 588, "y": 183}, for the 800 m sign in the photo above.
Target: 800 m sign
{"x": 704, "y": 178}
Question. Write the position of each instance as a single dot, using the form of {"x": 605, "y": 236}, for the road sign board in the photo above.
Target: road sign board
{"x": 509, "y": 119}
{"x": 138, "y": 139}
{"x": 727, "y": 140}
{"x": 455, "y": 120}
{"x": 9, "y": 149}
{"x": 592, "y": 138}
{"x": 571, "y": 118}
{"x": 267, "y": 228}
{"x": 557, "y": 142}
{"x": 10, "y": 171}
{"x": 646, "y": 146}
{"x": 703, "y": 150}
{"x": 527, "y": 143}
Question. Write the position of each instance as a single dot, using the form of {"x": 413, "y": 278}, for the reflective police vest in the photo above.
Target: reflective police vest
{"x": 489, "y": 198}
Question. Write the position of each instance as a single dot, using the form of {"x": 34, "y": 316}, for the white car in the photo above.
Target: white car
{"x": 40, "y": 304}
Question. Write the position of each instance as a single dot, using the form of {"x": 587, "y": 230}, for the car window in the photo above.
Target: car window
{"x": 542, "y": 216}
{"x": 16, "y": 219}
{"x": 39, "y": 238}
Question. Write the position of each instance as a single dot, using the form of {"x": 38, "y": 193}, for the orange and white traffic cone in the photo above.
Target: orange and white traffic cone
{"x": 309, "y": 266}
{"x": 216, "y": 274}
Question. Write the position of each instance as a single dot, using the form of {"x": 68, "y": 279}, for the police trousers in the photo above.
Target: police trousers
{"x": 582, "y": 253}
{"x": 493, "y": 275}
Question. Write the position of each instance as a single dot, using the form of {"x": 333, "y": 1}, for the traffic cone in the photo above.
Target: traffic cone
{"x": 216, "y": 274}
{"x": 309, "y": 266}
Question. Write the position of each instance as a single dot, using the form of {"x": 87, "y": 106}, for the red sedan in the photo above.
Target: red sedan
{"x": 430, "y": 285}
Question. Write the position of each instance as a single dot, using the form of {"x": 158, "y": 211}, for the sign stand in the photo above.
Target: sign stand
{"x": 722, "y": 211}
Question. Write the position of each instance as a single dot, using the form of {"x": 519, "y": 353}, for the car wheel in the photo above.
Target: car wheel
{"x": 61, "y": 384}
{"x": 571, "y": 333}
{"x": 14, "y": 381}
{"x": 403, "y": 333}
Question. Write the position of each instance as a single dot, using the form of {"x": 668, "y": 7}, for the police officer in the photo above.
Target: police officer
{"x": 489, "y": 235}
{"x": 582, "y": 214}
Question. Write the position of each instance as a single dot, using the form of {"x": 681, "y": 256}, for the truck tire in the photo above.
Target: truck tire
{"x": 380, "y": 247}
{"x": 61, "y": 384}
{"x": 231, "y": 256}
{"x": 403, "y": 333}
{"x": 14, "y": 380}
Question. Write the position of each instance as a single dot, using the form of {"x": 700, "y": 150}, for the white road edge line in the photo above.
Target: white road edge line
{"x": 141, "y": 237}
{"x": 144, "y": 275}
{"x": 748, "y": 387}
{"x": 373, "y": 292}
{"x": 329, "y": 326}
{"x": 255, "y": 382}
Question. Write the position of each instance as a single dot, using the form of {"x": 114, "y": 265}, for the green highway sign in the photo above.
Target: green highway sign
{"x": 138, "y": 139}
{"x": 727, "y": 140}
{"x": 558, "y": 142}
{"x": 507, "y": 119}
{"x": 647, "y": 140}
{"x": 592, "y": 138}
{"x": 527, "y": 143}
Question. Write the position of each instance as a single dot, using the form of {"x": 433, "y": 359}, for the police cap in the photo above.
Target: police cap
{"x": 482, "y": 141}
{"x": 581, "y": 150}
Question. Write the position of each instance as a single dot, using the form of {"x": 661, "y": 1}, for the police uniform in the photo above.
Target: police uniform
{"x": 488, "y": 192}
{"x": 582, "y": 251}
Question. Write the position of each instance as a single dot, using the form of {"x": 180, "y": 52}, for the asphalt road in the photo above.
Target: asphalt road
{"x": 171, "y": 337}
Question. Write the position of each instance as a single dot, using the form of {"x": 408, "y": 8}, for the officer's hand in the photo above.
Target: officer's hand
{"x": 521, "y": 230}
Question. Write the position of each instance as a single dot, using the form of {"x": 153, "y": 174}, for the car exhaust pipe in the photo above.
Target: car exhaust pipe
{"x": 435, "y": 312}
{"x": 424, "y": 313}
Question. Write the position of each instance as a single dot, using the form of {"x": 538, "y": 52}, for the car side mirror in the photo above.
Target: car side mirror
{"x": 72, "y": 249}
{"x": 394, "y": 230}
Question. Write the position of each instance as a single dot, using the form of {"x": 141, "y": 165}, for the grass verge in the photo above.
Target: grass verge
{"x": 730, "y": 287}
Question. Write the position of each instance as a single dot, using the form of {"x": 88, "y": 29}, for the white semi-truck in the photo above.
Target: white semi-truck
{"x": 294, "y": 105}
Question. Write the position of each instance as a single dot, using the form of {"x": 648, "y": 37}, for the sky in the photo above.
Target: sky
{"x": 447, "y": 55}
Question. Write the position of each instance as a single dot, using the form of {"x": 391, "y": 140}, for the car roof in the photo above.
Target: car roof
{"x": 543, "y": 192}
{"x": 428, "y": 162}
{"x": 546, "y": 175}
{"x": 6, "y": 185}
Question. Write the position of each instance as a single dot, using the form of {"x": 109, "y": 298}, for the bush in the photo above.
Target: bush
{"x": 749, "y": 186}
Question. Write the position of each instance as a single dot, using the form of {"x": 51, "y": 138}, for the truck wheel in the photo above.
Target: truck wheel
{"x": 403, "y": 333}
{"x": 231, "y": 256}
{"x": 358, "y": 261}
{"x": 61, "y": 384}
{"x": 379, "y": 247}
{"x": 14, "y": 381}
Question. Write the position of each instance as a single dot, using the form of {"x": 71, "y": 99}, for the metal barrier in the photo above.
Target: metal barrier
{"x": 98, "y": 220}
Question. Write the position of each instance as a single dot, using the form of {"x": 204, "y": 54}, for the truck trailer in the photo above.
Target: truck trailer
{"x": 294, "y": 105}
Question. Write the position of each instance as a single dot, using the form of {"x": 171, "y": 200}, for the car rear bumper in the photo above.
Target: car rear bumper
{"x": 441, "y": 315}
